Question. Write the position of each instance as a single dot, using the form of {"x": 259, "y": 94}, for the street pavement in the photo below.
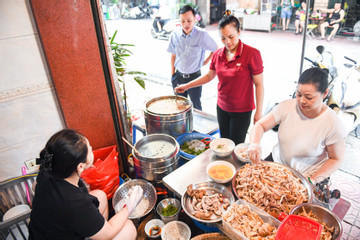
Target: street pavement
{"x": 281, "y": 53}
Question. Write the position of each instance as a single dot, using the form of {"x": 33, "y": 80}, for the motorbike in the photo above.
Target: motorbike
{"x": 171, "y": 24}
{"x": 135, "y": 12}
{"x": 167, "y": 29}
{"x": 344, "y": 89}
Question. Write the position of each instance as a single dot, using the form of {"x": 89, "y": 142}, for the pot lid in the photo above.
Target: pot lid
{"x": 155, "y": 146}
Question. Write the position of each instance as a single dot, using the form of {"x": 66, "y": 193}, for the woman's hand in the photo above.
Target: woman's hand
{"x": 254, "y": 152}
{"x": 257, "y": 116}
{"x": 181, "y": 88}
{"x": 132, "y": 201}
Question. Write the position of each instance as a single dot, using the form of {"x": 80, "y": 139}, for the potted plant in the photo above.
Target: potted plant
{"x": 120, "y": 52}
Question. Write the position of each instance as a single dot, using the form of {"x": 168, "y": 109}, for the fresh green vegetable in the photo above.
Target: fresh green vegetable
{"x": 169, "y": 210}
{"x": 185, "y": 147}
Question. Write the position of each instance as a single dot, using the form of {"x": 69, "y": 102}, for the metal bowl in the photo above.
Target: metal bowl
{"x": 210, "y": 187}
{"x": 149, "y": 195}
{"x": 163, "y": 204}
{"x": 324, "y": 215}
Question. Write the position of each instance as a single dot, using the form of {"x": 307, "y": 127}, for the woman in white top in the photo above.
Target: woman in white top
{"x": 311, "y": 138}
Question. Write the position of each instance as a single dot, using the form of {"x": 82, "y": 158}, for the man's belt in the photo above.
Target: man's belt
{"x": 188, "y": 75}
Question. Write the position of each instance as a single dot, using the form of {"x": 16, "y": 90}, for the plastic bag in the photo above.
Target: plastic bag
{"x": 104, "y": 174}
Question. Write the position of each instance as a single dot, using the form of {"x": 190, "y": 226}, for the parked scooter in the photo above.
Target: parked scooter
{"x": 345, "y": 99}
{"x": 325, "y": 61}
{"x": 344, "y": 89}
{"x": 136, "y": 12}
{"x": 171, "y": 24}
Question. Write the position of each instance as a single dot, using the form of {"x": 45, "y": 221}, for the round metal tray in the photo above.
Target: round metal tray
{"x": 307, "y": 185}
{"x": 209, "y": 187}
{"x": 149, "y": 194}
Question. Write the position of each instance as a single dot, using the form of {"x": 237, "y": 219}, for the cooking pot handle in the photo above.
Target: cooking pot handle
{"x": 282, "y": 216}
{"x": 159, "y": 173}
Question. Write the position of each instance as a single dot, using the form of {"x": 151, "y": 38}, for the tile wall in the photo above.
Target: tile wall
{"x": 29, "y": 111}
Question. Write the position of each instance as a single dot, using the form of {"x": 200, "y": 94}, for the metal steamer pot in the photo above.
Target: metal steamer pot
{"x": 173, "y": 123}
{"x": 153, "y": 168}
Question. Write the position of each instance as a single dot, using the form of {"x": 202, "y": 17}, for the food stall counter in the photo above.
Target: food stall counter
{"x": 194, "y": 171}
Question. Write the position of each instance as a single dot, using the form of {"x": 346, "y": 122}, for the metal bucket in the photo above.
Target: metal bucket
{"x": 158, "y": 156}
{"x": 174, "y": 122}
{"x": 324, "y": 215}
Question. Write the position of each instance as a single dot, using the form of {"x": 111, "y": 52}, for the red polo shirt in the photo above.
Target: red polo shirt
{"x": 236, "y": 86}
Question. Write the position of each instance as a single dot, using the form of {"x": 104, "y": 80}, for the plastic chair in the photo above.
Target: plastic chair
{"x": 14, "y": 192}
{"x": 310, "y": 29}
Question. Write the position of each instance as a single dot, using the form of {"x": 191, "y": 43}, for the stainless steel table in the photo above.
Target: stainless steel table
{"x": 194, "y": 171}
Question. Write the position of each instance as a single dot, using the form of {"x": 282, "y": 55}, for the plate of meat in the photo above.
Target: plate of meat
{"x": 272, "y": 187}
{"x": 206, "y": 202}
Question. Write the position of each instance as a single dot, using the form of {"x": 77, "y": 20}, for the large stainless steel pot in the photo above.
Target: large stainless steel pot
{"x": 173, "y": 122}
{"x": 158, "y": 156}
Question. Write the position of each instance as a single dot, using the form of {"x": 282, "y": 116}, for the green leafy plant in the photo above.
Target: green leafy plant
{"x": 120, "y": 52}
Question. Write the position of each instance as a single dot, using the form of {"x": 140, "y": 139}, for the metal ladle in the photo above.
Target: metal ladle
{"x": 136, "y": 151}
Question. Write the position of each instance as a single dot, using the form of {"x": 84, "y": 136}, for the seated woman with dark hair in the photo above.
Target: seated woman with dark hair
{"x": 62, "y": 206}
{"x": 311, "y": 138}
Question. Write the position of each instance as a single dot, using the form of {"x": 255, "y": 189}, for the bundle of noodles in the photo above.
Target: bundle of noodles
{"x": 271, "y": 188}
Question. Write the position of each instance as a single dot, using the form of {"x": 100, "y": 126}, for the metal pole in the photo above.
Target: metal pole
{"x": 304, "y": 35}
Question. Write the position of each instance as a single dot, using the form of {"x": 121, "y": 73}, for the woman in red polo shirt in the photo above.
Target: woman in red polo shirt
{"x": 238, "y": 67}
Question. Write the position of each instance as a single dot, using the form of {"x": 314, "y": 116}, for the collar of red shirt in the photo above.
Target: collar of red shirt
{"x": 239, "y": 51}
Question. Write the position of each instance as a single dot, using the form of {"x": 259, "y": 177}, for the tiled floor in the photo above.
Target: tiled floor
{"x": 349, "y": 185}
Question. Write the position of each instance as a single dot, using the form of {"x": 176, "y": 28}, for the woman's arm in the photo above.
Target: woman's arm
{"x": 336, "y": 154}
{"x": 197, "y": 82}
{"x": 113, "y": 226}
{"x": 258, "y": 130}
{"x": 259, "y": 91}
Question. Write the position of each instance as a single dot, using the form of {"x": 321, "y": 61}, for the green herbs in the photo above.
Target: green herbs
{"x": 220, "y": 146}
{"x": 195, "y": 146}
{"x": 169, "y": 211}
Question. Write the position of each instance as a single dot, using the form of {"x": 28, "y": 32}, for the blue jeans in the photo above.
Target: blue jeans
{"x": 195, "y": 93}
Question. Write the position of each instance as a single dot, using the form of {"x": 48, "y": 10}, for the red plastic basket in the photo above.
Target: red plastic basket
{"x": 297, "y": 227}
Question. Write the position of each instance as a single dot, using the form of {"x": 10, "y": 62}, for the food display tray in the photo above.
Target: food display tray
{"x": 307, "y": 185}
{"x": 267, "y": 218}
{"x": 211, "y": 188}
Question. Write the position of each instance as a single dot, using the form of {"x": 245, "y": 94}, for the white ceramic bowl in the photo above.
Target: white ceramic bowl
{"x": 241, "y": 152}
{"x": 176, "y": 230}
{"x": 152, "y": 223}
{"x": 219, "y": 179}
{"x": 222, "y": 147}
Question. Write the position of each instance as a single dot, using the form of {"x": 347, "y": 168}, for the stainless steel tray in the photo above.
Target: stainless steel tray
{"x": 209, "y": 187}
{"x": 307, "y": 185}
{"x": 267, "y": 218}
{"x": 204, "y": 122}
